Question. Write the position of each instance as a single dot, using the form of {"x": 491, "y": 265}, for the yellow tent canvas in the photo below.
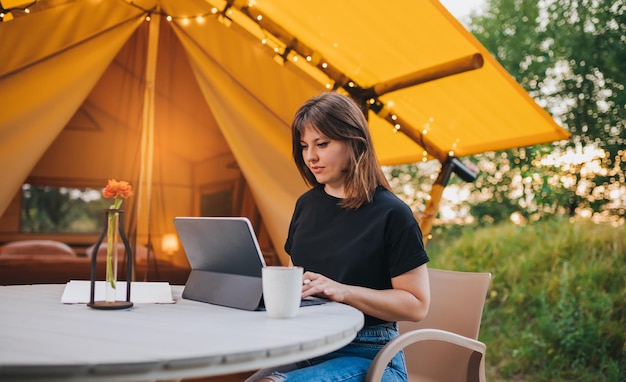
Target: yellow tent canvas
{"x": 182, "y": 97}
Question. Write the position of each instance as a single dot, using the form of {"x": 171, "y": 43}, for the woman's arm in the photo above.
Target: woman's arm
{"x": 407, "y": 301}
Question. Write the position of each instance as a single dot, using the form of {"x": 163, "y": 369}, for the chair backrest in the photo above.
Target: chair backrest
{"x": 456, "y": 305}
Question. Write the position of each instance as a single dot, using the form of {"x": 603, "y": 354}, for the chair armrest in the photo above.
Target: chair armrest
{"x": 385, "y": 354}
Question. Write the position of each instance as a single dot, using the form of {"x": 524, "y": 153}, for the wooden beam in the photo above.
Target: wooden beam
{"x": 446, "y": 69}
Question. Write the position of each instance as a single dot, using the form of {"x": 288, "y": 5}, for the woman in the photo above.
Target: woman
{"x": 357, "y": 242}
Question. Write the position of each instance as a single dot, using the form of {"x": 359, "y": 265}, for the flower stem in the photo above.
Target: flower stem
{"x": 111, "y": 232}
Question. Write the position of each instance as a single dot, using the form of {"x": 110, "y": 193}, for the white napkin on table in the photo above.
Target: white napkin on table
{"x": 79, "y": 291}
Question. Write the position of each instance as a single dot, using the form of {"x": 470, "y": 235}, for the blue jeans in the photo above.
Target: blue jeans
{"x": 348, "y": 364}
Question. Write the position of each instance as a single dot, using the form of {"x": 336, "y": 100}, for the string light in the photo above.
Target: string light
{"x": 185, "y": 20}
{"x": 8, "y": 14}
{"x": 291, "y": 49}
{"x": 340, "y": 81}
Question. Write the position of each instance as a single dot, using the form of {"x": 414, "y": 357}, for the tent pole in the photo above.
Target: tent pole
{"x": 426, "y": 219}
{"x": 449, "y": 166}
{"x": 147, "y": 135}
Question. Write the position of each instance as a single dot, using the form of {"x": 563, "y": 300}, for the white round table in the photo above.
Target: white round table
{"x": 42, "y": 339}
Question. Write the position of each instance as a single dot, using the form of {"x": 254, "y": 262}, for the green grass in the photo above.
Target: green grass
{"x": 556, "y": 308}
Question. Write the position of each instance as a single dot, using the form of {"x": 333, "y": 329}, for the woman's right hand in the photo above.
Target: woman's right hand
{"x": 317, "y": 284}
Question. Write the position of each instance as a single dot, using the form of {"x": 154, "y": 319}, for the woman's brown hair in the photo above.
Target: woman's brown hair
{"x": 339, "y": 118}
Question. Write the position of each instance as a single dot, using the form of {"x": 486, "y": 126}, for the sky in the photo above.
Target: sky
{"x": 461, "y": 8}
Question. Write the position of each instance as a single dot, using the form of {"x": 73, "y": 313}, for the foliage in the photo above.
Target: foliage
{"x": 48, "y": 209}
{"x": 570, "y": 56}
{"x": 555, "y": 309}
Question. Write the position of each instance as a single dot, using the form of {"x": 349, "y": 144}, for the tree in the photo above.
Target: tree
{"x": 570, "y": 56}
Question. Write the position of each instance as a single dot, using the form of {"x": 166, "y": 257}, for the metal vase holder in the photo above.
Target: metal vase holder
{"x": 129, "y": 264}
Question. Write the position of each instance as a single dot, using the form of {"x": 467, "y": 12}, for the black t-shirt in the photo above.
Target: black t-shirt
{"x": 367, "y": 246}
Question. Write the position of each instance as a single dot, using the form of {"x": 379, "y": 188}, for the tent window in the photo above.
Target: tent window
{"x": 217, "y": 203}
{"x": 50, "y": 209}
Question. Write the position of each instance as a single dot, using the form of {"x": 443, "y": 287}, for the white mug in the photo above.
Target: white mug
{"x": 282, "y": 290}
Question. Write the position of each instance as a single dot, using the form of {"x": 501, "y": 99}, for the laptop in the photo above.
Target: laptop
{"x": 226, "y": 262}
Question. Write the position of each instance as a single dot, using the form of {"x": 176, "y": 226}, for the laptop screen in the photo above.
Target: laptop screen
{"x": 221, "y": 245}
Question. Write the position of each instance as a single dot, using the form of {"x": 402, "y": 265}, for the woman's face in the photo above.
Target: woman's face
{"x": 326, "y": 158}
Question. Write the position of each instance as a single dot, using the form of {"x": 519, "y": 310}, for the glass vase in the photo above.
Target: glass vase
{"x": 114, "y": 232}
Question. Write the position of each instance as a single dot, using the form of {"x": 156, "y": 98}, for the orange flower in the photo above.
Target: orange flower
{"x": 115, "y": 189}
{"x": 119, "y": 190}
